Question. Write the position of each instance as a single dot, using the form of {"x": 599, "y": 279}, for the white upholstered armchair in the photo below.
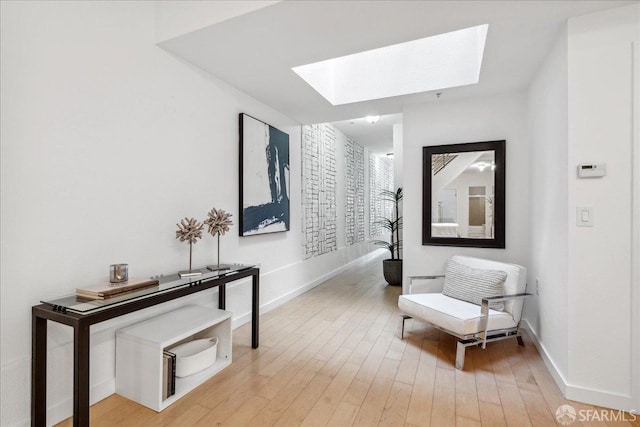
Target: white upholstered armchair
{"x": 480, "y": 301}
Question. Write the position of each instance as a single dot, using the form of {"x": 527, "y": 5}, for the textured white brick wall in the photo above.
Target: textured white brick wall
{"x": 380, "y": 178}
{"x": 354, "y": 171}
{"x": 318, "y": 189}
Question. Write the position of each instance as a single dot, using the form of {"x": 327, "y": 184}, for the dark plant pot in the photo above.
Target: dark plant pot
{"x": 392, "y": 271}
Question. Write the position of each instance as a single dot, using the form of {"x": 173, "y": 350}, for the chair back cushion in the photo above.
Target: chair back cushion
{"x": 472, "y": 284}
{"x": 515, "y": 283}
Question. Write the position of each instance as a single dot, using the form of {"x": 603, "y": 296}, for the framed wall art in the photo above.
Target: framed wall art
{"x": 264, "y": 178}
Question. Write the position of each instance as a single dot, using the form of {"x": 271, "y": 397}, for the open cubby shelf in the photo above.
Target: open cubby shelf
{"x": 139, "y": 351}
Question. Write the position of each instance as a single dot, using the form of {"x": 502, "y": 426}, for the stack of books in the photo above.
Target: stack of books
{"x": 168, "y": 374}
{"x": 110, "y": 290}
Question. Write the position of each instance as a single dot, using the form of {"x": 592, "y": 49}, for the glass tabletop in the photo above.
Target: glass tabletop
{"x": 166, "y": 283}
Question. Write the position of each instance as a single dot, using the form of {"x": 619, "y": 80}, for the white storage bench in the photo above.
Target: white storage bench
{"x": 140, "y": 347}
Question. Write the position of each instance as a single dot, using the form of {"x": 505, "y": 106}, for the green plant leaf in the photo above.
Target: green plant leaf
{"x": 390, "y": 224}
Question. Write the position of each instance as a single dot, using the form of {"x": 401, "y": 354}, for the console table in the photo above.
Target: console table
{"x": 80, "y": 316}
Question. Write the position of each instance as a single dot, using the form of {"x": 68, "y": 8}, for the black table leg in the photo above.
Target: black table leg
{"x": 38, "y": 371}
{"x": 81, "y": 374}
{"x": 222, "y": 296}
{"x": 255, "y": 311}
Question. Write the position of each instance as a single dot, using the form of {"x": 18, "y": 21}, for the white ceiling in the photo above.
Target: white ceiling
{"x": 256, "y": 51}
{"x": 377, "y": 137}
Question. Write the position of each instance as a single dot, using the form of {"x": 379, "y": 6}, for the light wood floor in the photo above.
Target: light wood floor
{"x": 333, "y": 356}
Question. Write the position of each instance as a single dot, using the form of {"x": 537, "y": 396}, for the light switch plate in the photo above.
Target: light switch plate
{"x": 584, "y": 216}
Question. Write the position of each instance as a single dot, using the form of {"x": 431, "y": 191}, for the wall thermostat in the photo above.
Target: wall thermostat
{"x": 592, "y": 170}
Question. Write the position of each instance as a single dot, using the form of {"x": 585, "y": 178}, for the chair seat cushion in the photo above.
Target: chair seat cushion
{"x": 459, "y": 317}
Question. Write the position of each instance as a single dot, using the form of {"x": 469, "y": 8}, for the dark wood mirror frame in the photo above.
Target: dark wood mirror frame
{"x": 498, "y": 241}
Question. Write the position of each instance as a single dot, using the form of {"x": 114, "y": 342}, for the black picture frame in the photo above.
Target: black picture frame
{"x": 264, "y": 204}
{"x": 498, "y": 241}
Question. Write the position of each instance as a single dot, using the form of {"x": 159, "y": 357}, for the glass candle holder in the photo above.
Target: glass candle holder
{"x": 118, "y": 273}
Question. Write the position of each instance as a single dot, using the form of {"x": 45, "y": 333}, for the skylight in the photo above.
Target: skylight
{"x": 437, "y": 62}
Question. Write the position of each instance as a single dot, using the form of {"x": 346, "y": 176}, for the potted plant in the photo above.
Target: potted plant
{"x": 392, "y": 267}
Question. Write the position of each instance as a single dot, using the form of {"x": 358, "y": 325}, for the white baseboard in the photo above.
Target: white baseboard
{"x": 605, "y": 399}
{"x": 558, "y": 377}
{"x": 582, "y": 394}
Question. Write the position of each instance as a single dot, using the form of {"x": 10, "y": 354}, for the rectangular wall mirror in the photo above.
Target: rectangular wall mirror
{"x": 463, "y": 202}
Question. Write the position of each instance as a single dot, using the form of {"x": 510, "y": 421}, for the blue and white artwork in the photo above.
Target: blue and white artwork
{"x": 264, "y": 178}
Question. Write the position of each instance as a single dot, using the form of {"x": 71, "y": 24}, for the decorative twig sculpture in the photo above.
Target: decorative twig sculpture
{"x": 189, "y": 230}
{"x": 218, "y": 223}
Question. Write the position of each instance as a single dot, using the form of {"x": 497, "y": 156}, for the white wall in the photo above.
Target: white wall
{"x": 449, "y": 122}
{"x": 546, "y": 312}
{"x": 175, "y": 18}
{"x": 397, "y": 155}
{"x": 106, "y": 142}
{"x": 635, "y": 250}
{"x": 398, "y": 171}
{"x": 601, "y": 292}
